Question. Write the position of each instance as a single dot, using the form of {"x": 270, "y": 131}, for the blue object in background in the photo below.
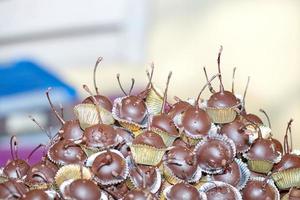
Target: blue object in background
{"x": 23, "y": 85}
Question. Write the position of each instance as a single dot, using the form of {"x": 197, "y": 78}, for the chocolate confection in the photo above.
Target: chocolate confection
{"x": 220, "y": 192}
{"x": 236, "y": 132}
{"x": 165, "y": 123}
{"x": 182, "y": 162}
{"x": 82, "y": 189}
{"x": 214, "y": 154}
{"x": 294, "y": 194}
{"x": 100, "y": 136}
{"x": 181, "y": 191}
{"x": 231, "y": 175}
{"x": 178, "y": 109}
{"x": 138, "y": 194}
{"x": 181, "y": 143}
{"x": 253, "y": 118}
{"x": 143, "y": 176}
{"x": 108, "y": 167}
{"x": 35, "y": 194}
{"x": 70, "y": 130}
{"x": 12, "y": 189}
{"x": 258, "y": 190}
{"x": 117, "y": 190}
{"x": 150, "y": 138}
{"x": 66, "y": 152}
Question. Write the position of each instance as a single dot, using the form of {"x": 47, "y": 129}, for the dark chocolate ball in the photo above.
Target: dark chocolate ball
{"x": 258, "y": 190}
{"x": 236, "y": 132}
{"x": 288, "y": 161}
{"x": 220, "y": 192}
{"x": 71, "y": 130}
{"x": 253, "y": 118}
{"x": 16, "y": 168}
{"x": 164, "y": 123}
{"x": 140, "y": 172}
{"x": 277, "y": 144}
{"x": 223, "y": 99}
{"x": 100, "y": 136}
{"x": 42, "y": 172}
{"x": 177, "y": 109}
{"x": 150, "y": 138}
{"x": 82, "y": 189}
{"x": 35, "y": 195}
{"x": 133, "y": 109}
{"x": 231, "y": 175}
{"x": 12, "y": 189}
{"x": 103, "y": 101}
{"x": 196, "y": 121}
{"x": 138, "y": 194}
{"x": 263, "y": 149}
{"x": 66, "y": 152}
{"x": 182, "y": 191}
{"x": 182, "y": 162}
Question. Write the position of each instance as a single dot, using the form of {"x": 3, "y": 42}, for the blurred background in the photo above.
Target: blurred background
{"x": 56, "y": 43}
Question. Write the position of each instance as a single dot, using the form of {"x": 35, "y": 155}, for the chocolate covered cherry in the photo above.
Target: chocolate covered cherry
{"x": 12, "y": 189}
{"x": 220, "y": 192}
{"x": 138, "y": 194}
{"x": 35, "y": 195}
{"x": 82, "y": 189}
{"x": 182, "y": 191}
{"x": 258, "y": 190}
{"x": 177, "y": 110}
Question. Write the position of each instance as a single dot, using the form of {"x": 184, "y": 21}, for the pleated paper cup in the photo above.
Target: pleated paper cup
{"x": 222, "y": 115}
{"x": 87, "y": 115}
{"x": 245, "y": 174}
{"x": 154, "y": 100}
{"x": 129, "y": 125}
{"x": 287, "y": 178}
{"x": 260, "y": 166}
{"x": 167, "y": 138}
{"x": 69, "y": 172}
{"x": 146, "y": 155}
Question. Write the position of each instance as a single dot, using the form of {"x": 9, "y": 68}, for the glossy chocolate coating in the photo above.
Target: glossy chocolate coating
{"x": 12, "y": 189}
{"x": 66, "y": 152}
{"x": 278, "y": 145}
{"x": 181, "y": 143}
{"x": 35, "y": 195}
{"x": 103, "y": 101}
{"x": 231, "y": 175}
{"x": 71, "y": 130}
{"x": 220, "y": 192}
{"x": 82, "y": 189}
{"x": 254, "y": 118}
{"x": 133, "y": 109}
{"x": 42, "y": 172}
{"x": 120, "y": 190}
{"x": 181, "y": 191}
{"x": 222, "y": 100}
{"x": 150, "y": 138}
{"x": 165, "y": 123}
{"x": 138, "y": 173}
{"x": 214, "y": 154}
{"x": 258, "y": 190}
{"x": 100, "y": 136}
{"x": 125, "y": 134}
{"x": 182, "y": 162}
{"x": 178, "y": 109}
{"x": 288, "y": 161}
{"x": 138, "y": 194}
{"x": 196, "y": 121}
{"x": 109, "y": 166}
{"x": 236, "y": 132}
{"x": 263, "y": 149}
{"x": 16, "y": 168}
{"x": 294, "y": 194}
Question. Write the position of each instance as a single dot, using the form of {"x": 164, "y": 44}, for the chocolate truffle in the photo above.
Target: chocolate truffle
{"x": 182, "y": 191}
{"x": 222, "y": 99}
{"x": 133, "y": 109}
{"x": 258, "y": 190}
{"x": 82, "y": 189}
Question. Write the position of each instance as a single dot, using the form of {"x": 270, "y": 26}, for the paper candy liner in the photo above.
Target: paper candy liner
{"x": 132, "y": 126}
{"x": 173, "y": 179}
{"x": 40, "y": 186}
{"x": 285, "y": 197}
{"x": 154, "y": 101}
{"x": 91, "y": 159}
{"x": 260, "y": 166}
{"x": 87, "y": 115}
{"x": 146, "y": 155}
{"x": 71, "y": 172}
{"x": 167, "y": 138}
{"x": 270, "y": 183}
{"x": 210, "y": 185}
{"x": 137, "y": 133}
{"x": 222, "y": 115}
{"x": 189, "y": 140}
{"x": 224, "y": 139}
{"x": 287, "y": 178}
{"x": 202, "y": 181}
{"x": 163, "y": 195}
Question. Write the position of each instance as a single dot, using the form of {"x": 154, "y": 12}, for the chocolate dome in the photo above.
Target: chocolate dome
{"x": 133, "y": 109}
{"x": 71, "y": 130}
{"x": 138, "y": 194}
{"x": 263, "y": 149}
{"x": 143, "y": 174}
{"x": 223, "y": 99}
{"x": 101, "y": 100}
{"x": 164, "y": 123}
{"x": 12, "y": 189}
{"x": 258, "y": 190}
{"x": 150, "y": 138}
{"x": 42, "y": 172}
{"x": 35, "y": 195}
{"x": 182, "y": 191}
{"x": 16, "y": 168}
{"x": 177, "y": 109}
{"x": 82, "y": 189}
{"x": 220, "y": 192}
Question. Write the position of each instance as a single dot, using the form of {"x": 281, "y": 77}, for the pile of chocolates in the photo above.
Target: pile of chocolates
{"x": 140, "y": 147}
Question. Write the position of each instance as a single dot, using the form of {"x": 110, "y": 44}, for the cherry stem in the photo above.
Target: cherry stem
{"x": 34, "y": 150}
{"x": 43, "y": 129}
{"x": 287, "y": 148}
{"x": 211, "y": 89}
{"x": 14, "y": 147}
{"x": 233, "y": 79}
{"x": 94, "y": 74}
{"x": 61, "y": 110}
{"x": 86, "y": 88}
{"x": 219, "y": 68}
{"x": 52, "y": 107}
{"x": 166, "y": 93}
{"x": 267, "y": 116}
{"x": 120, "y": 85}
{"x": 245, "y": 91}
{"x": 203, "y": 88}
{"x": 150, "y": 75}
{"x": 131, "y": 87}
